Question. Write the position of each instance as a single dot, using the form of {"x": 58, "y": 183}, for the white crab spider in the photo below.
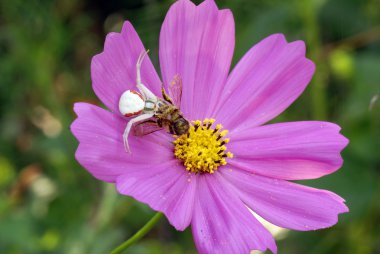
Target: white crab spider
{"x": 132, "y": 103}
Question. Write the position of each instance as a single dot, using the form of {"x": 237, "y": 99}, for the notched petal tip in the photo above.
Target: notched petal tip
{"x": 298, "y": 46}
{"x": 311, "y": 66}
{"x": 277, "y": 38}
{"x": 345, "y": 208}
{"x": 342, "y": 140}
{"x": 82, "y": 110}
{"x": 213, "y": 7}
{"x": 180, "y": 4}
{"x": 340, "y": 208}
{"x": 209, "y": 4}
{"x": 345, "y": 142}
{"x": 127, "y": 27}
{"x": 78, "y": 107}
{"x": 75, "y": 125}
{"x": 110, "y": 39}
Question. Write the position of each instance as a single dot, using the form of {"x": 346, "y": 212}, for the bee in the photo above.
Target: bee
{"x": 169, "y": 117}
{"x": 150, "y": 112}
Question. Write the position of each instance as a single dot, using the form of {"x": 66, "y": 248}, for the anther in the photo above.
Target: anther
{"x": 224, "y": 133}
{"x": 224, "y": 142}
{"x": 211, "y": 122}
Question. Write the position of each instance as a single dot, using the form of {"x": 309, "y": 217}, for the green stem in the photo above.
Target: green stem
{"x": 308, "y": 11}
{"x": 140, "y": 234}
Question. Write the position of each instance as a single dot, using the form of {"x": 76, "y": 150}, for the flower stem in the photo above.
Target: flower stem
{"x": 139, "y": 234}
{"x": 308, "y": 11}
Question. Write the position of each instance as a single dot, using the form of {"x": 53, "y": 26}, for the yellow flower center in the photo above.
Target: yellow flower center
{"x": 202, "y": 149}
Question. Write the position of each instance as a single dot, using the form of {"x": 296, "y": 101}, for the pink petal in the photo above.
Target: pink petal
{"x": 286, "y": 204}
{"x": 197, "y": 42}
{"x": 114, "y": 70}
{"x": 264, "y": 83}
{"x": 221, "y": 222}
{"x": 292, "y": 151}
{"x": 101, "y": 149}
{"x": 166, "y": 187}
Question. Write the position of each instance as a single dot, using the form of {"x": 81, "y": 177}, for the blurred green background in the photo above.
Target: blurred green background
{"x": 50, "y": 204}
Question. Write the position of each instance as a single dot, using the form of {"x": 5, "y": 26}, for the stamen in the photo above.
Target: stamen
{"x": 225, "y": 141}
{"x": 202, "y": 149}
{"x": 221, "y": 151}
{"x": 197, "y": 124}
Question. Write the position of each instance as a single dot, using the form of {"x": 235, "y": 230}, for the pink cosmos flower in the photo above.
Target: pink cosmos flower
{"x": 197, "y": 43}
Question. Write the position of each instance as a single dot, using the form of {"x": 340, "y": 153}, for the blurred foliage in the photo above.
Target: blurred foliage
{"x": 49, "y": 204}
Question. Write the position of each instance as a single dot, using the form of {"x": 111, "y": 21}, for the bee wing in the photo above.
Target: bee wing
{"x": 146, "y": 127}
{"x": 175, "y": 91}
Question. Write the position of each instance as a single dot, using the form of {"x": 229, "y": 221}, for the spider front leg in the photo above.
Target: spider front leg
{"x": 129, "y": 126}
{"x": 143, "y": 89}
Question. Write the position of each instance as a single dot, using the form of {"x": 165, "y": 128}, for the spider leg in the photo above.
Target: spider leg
{"x": 129, "y": 126}
{"x": 146, "y": 92}
{"x": 138, "y": 65}
{"x": 143, "y": 89}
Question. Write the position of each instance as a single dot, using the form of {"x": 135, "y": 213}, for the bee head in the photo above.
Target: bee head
{"x": 181, "y": 126}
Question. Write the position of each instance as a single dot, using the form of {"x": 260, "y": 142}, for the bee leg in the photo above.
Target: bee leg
{"x": 171, "y": 129}
{"x": 129, "y": 126}
{"x": 159, "y": 122}
{"x": 165, "y": 95}
{"x": 168, "y": 126}
{"x": 143, "y": 89}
